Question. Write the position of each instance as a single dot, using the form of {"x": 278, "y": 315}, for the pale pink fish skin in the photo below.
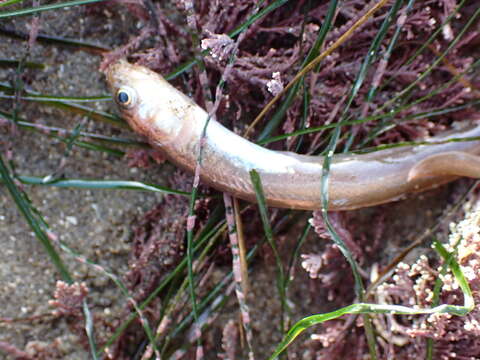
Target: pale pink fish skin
{"x": 173, "y": 123}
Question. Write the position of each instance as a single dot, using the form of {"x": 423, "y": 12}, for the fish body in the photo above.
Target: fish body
{"x": 173, "y": 123}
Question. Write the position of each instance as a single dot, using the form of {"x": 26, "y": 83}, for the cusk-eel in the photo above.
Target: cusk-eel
{"x": 173, "y": 123}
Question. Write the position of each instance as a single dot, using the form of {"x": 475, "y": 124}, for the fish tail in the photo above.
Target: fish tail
{"x": 454, "y": 163}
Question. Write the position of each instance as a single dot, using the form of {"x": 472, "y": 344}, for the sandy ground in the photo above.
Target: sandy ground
{"x": 96, "y": 223}
{"x": 99, "y": 223}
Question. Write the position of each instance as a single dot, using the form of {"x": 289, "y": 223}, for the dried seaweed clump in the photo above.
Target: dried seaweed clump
{"x": 157, "y": 245}
{"x": 329, "y": 266}
{"x": 453, "y": 336}
{"x": 69, "y": 298}
{"x": 405, "y": 337}
{"x": 274, "y": 48}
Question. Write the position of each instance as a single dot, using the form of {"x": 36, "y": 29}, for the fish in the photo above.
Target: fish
{"x": 174, "y": 124}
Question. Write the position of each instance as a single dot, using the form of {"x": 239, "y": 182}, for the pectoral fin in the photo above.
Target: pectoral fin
{"x": 455, "y": 163}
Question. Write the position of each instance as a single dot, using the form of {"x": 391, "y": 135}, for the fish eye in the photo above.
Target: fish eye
{"x": 125, "y": 97}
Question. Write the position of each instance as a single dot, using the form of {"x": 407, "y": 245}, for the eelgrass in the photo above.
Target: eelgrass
{"x": 195, "y": 242}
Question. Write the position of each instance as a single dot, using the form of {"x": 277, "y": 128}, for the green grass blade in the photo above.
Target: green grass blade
{"x": 451, "y": 16}
{"x": 213, "y": 300}
{"x": 168, "y": 278}
{"x": 56, "y": 98}
{"x": 190, "y": 63}
{"x": 79, "y": 143}
{"x": 296, "y": 251}
{"x": 364, "y": 308}
{"x": 212, "y": 297}
{"x": 55, "y": 131}
{"x": 391, "y": 46}
{"x": 37, "y": 226}
{"x": 371, "y": 54}
{"x": 436, "y": 300}
{"x": 89, "y": 330}
{"x": 100, "y": 184}
{"x": 469, "y": 303}
{"x": 49, "y": 7}
{"x": 427, "y": 114}
{"x": 385, "y": 126}
{"x": 424, "y": 45}
{"x": 56, "y": 40}
{"x": 406, "y": 90}
{"x": 117, "y": 281}
{"x": 303, "y": 121}
{"x": 9, "y": 2}
{"x": 77, "y": 108}
{"x": 273, "y": 6}
{"x": 262, "y": 206}
{"x": 276, "y": 119}
{"x": 448, "y": 261}
{"x": 16, "y": 63}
